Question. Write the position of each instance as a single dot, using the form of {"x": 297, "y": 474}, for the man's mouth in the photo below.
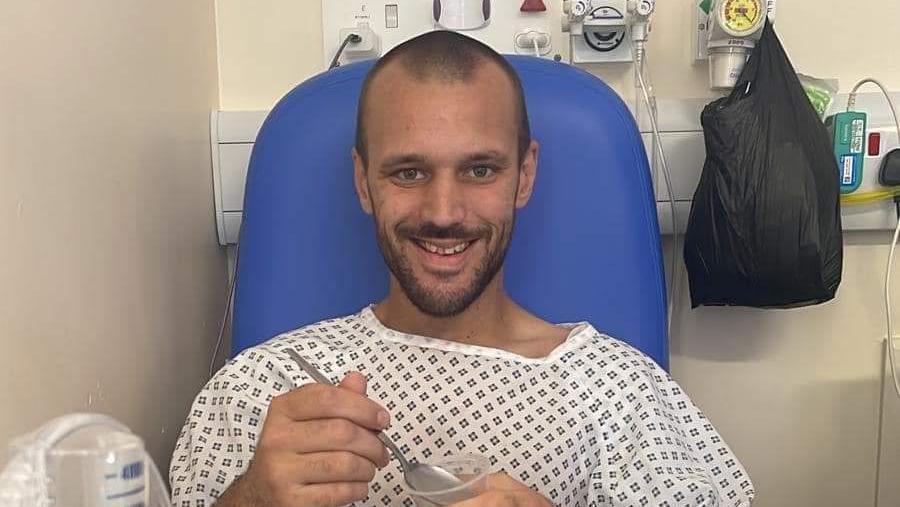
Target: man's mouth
{"x": 444, "y": 248}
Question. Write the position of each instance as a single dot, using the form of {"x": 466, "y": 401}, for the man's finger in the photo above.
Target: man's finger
{"x": 326, "y": 467}
{"x": 319, "y": 401}
{"x": 332, "y": 495}
{"x": 324, "y": 435}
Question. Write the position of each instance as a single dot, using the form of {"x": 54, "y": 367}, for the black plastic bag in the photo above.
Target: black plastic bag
{"x": 765, "y": 224}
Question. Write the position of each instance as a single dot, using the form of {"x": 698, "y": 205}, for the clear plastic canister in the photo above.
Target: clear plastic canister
{"x": 97, "y": 466}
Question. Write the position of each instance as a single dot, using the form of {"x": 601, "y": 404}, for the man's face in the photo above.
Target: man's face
{"x": 443, "y": 181}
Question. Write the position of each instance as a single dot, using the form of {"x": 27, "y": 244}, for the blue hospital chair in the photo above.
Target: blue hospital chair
{"x": 587, "y": 246}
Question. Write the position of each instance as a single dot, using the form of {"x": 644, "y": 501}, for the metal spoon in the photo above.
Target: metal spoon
{"x": 421, "y": 477}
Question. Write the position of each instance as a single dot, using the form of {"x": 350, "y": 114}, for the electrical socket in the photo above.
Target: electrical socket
{"x": 368, "y": 47}
{"x": 525, "y": 42}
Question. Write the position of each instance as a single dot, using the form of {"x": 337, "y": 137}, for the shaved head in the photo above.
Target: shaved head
{"x": 447, "y": 57}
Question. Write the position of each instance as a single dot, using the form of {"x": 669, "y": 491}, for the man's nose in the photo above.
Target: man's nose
{"x": 444, "y": 201}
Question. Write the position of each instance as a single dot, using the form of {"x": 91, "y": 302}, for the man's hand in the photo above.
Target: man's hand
{"x": 504, "y": 491}
{"x": 317, "y": 448}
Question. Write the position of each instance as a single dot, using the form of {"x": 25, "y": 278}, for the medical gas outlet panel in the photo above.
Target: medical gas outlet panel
{"x": 528, "y": 27}
{"x": 592, "y": 30}
{"x": 726, "y": 31}
{"x": 600, "y": 30}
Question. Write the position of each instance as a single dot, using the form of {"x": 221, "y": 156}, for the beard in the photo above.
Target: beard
{"x": 444, "y": 301}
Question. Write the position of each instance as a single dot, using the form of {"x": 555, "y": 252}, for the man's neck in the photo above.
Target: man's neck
{"x": 493, "y": 320}
{"x": 487, "y": 318}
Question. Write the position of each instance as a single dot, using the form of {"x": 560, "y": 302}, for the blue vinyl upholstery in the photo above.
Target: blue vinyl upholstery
{"x": 587, "y": 246}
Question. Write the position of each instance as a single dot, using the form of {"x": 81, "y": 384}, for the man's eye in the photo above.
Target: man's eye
{"x": 409, "y": 174}
{"x": 481, "y": 172}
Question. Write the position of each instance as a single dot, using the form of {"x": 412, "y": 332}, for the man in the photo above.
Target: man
{"x": 448, "y": 363}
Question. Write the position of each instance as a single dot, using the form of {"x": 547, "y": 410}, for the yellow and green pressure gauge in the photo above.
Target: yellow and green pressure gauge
{"x": 741, "y": 17}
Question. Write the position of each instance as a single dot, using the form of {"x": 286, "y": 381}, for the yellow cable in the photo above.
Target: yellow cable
{"x": 870, "y": 197}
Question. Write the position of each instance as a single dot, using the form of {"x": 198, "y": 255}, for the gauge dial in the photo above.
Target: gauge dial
{"x": 741, "y": 17}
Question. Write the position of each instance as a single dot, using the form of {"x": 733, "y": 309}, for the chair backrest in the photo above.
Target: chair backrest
{"x": 587, "y": 246}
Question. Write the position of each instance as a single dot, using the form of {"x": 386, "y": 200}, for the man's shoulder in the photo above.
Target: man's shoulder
{"x": 320, "y": 343}
{"x": 615, "y": 356}
{"x": 326, "y": 335}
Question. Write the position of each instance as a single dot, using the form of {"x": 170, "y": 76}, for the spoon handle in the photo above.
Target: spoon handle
{"x": 316, "y": 375}
{"x": 310, "y": 370}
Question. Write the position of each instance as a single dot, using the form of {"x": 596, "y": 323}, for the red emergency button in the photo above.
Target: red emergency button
{"x": 533, "y": 6}
{"x": 874, "y": 144}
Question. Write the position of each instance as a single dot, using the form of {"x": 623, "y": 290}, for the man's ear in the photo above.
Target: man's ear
{"x": 527, "y": 175}
{"x": 359, "y": 180}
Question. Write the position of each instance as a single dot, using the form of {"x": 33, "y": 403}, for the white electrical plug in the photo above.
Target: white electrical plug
{"x": 640, "y": 24}
{"x": 369, "y": 45}
{"x": 533, "y": 41}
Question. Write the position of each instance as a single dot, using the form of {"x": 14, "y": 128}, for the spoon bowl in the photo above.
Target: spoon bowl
{"x": 426, "y": 483}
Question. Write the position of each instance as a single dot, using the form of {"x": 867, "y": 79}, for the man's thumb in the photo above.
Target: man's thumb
{"x": 355, "y": 382}
{"x": 502, "y": 482}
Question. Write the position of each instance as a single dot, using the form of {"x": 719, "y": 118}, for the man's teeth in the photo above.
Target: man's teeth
{"x": 444, "y": 251}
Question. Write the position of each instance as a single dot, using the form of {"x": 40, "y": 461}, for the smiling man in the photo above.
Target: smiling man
{"x": 447, "y": 363}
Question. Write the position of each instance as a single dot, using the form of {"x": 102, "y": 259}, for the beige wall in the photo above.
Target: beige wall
{"x": 111, "y": 280}
{"x": 796, "y": 393}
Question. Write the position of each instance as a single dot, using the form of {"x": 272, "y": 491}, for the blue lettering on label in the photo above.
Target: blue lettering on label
{"x": 133, "y": 470}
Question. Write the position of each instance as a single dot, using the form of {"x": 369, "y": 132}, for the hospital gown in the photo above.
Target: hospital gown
{"x": 595, "y": 423}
